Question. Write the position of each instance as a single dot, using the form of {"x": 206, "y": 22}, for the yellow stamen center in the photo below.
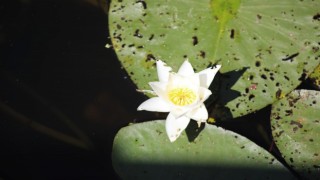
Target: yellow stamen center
{"x": 182, "y": 96}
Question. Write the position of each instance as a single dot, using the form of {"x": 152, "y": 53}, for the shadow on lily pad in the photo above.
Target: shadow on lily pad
{"x": 217, "y": 108}
{"x": 193, "y": 130}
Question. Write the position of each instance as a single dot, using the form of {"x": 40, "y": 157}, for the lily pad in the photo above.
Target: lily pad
{"x": 143, "y": 151}
{"x": 296, "y": 128}
{"x": 266, "y": 47}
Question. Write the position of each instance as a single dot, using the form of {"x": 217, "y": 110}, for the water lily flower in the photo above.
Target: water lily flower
{"x": 181, "y": 94}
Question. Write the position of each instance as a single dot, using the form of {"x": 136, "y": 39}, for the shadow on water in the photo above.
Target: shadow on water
{"x": 53, "y": 57}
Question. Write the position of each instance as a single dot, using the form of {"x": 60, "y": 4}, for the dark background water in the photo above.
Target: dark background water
{"x": 53, "y": 61}
{"x": 53, "y": 56}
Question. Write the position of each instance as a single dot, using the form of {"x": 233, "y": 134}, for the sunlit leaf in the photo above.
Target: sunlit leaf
{"x": 296, "y": 129}
{"x": 266, "y": 47}
{"x": 143, "y": 151}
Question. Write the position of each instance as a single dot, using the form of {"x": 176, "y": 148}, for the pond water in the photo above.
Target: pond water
{"x": 54, "y": 68}
{"x": 53, "y": 60}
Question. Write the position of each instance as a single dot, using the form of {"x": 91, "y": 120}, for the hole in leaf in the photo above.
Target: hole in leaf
{"x": 251, "y": 97}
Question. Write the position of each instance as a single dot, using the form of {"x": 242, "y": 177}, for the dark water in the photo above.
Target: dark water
{"x": 54, "y": 64}
{"x": 53, "y": 58}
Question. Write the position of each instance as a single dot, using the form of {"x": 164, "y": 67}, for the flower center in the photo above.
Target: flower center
{"x": 182, "y": 96}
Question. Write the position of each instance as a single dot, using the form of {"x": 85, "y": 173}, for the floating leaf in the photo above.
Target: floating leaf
{"x": 143, "y": 151}
{"x": 296, "y": 128}
{"x": 265, "y": 46}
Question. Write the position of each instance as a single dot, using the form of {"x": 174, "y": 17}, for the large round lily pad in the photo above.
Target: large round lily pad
{"x": 143, "y": 151}
{"x": 266, "y": 47}
{"x": 296, "y": 129}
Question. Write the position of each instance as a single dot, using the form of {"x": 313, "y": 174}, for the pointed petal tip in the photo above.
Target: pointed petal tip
{"x": 162, "y": 64}
{"x": 186, "y": 62}
{"x": 207, "y": 75}
{"x": 140, "y": 108}
{"x": 163, "y": 71}
{"x": 186, "y": 69}
{"x": 199, "y": 114}
{"x": 218, "y": 66}
{"x": 159, "y": 61}
{"x": 155, "y": 104}
{"x": 175, "y": 126}
{"x": 172, "y": 138}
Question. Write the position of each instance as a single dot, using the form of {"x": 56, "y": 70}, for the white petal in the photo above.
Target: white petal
{"x": 163, "y": 71}
{"x": 186, "y": 69}
{"x": 176, "y": 80}
{"x": 199, "y": 114}
{"x": 178, "y": 111}
{"x": 154, "y": 104}
{"x": 206, "y": 76}
{"x": 160, "y": 89}
{"x": 174, "y": 126}
{"x": 204, "y": 93}
{"x": 156, "y": 86}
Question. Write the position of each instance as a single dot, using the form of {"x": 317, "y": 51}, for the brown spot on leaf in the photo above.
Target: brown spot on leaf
{"x": 315, "y": 49}
{"x": 144, "y": 4}
{"x": 290, "y": 57}
{"x": 291, "y": 160}
{"x": 232, "y": 34}
{"x": 279, "y": 134}
{"x": 202, "y": 54}
{"x": 295, "y": 123}
{"x": 150, "y": 57}
{"x": 151, "y": 37}
{"x": 288, "y": 112}
{"x": 259, "y": 16}
{"x": 137, "y": 34}
{"x": 316, "y": 17}
{"x": 278, "y": 94}
{"x": 195, "y": 40}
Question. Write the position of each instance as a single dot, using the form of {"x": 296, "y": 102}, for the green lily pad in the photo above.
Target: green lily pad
{"x": 296, "y": 128}
{"x": 143, "y": 151}
{"x": 266, "y": 47}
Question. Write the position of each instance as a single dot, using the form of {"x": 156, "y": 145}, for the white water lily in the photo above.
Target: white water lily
{"x": 181, "y": 94}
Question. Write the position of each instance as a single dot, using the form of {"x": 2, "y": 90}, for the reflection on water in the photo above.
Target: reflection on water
{"x": 54, "y": 65}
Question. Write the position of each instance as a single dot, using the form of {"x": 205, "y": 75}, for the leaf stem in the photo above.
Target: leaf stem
{"x": 43, "y": 129}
